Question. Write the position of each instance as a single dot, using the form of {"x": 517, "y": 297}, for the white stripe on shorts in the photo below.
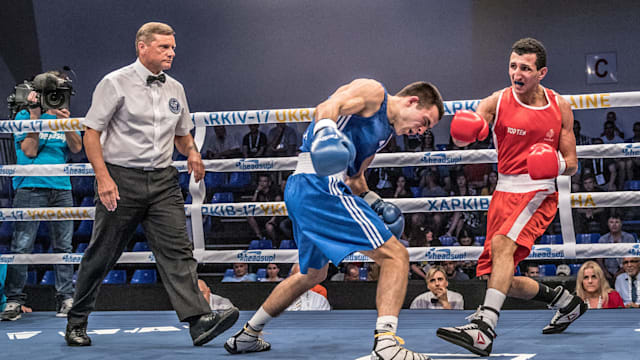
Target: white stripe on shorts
{"x": 526, "y": 214}
{"x": 367, "y": 227}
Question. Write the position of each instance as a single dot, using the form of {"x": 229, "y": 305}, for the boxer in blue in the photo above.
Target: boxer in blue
{"x": 334, "y": 213}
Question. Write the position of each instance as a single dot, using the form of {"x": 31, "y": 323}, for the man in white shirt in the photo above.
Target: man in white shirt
{"x": 137, "y": 115}
{"x": 438, "y": 296}
{"x": 628, "y": 283}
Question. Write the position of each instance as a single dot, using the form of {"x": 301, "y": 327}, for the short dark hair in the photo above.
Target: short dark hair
{"x": 428, "y": 94}
{"x": 531, "y": 46}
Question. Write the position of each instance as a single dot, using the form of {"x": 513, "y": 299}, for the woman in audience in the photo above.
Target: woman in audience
{"x": 273, "y": 273}
{"x": 592, "y": 287}
{"x": 402, "y": 188}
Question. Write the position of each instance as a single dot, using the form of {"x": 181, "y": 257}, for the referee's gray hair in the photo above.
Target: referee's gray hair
{"x": 147, "y": 31}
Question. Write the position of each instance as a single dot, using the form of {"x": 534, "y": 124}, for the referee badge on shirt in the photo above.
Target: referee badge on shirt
{"x": 174, "y": 105}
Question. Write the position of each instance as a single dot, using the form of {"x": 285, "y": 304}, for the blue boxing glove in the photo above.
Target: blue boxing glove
{"x": 388, "y": 212}
{"x": 331, "y": 150}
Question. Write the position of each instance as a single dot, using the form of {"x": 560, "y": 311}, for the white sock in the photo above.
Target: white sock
{"x": 493, "y": 299}
{"x": 259, "y": 320}
{"x": 564, "y": 300}
{"x": 387, "y": 323}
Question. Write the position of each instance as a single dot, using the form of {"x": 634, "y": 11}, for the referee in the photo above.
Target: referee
{"x": 141, "y": 113}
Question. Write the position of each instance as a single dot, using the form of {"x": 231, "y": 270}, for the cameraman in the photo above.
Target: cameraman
{"x": 41, "y": 191}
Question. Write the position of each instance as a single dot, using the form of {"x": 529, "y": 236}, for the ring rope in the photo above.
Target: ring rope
{"x": 247, "y": 117}
{"x": 454, "y": 157}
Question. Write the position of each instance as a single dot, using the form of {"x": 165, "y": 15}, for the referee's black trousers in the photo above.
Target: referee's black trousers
{"x": 153, "y": 199}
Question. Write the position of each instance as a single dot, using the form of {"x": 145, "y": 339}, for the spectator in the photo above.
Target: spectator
{"x": 438, "y": 296}
{"x": 430, "y": 183}
{"x": 413, "y": 142}
{"x": 593, "y": 288}
{"x": 216, "y": 302}
{"x": 604, "y": 169}
{"x": 240, "y": 274}
{"x": 143, "y": 114}
{"x": 282, "y": 141}
{"x": 612, "y": 131}
{"x": 469, "y": 220}
{"x": 273, "y": 273}
{"x": 580, "y": 138}
{"x": 428, "y": 141}
{"x": 453, "y": 272}
{"x": 468, "y": 267}
{"x": 352, "y": 273}
{"x": 254, "y": 143}
{"x": 632, "y": 165}
{"x": 490, "y": 185}
{"x": 402, "y": 188}
{"x": 589, "y": 218}
{"x": 220, "y": 146}
{"x": 628, "y": 283}
{"x": 381, "y": 179}
{"x": 531, "y": 270}
{"x": 42, "y": 191}
{"x": 314, "y": 299}
{"x": 611, "y": 266}
{"x": 610, "y": 136}
{"x": 264, "y": 226}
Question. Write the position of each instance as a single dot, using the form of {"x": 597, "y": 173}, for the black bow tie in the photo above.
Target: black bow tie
{"x": 150, "y": 79}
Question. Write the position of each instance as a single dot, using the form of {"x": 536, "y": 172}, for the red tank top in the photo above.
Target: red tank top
{"x": 518, "y": 126}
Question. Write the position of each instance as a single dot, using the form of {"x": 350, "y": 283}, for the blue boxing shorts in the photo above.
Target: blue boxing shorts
{"x": 329, "y": 222}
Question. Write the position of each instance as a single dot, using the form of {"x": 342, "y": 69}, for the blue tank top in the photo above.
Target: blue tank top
{"x": 368, "y": 134}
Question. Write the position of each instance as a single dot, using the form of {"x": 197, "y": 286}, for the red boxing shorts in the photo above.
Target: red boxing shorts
{"x": 522, "y": 217}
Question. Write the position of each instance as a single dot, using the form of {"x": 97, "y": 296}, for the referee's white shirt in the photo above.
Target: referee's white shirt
{"x": 423, "y": 301}
{"x": 138, "y": 121}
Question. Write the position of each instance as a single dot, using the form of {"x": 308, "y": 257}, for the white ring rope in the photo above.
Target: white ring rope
{"x": 454, "y": 157}
{"x": 443, "y": 204}
{"x": 416, "y": 254}
{"x": 247, "y": 117}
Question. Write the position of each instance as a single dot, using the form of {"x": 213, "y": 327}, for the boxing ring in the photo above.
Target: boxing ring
{"x": 159, "y": 334}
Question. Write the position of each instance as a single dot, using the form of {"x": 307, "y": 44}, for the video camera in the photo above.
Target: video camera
{"x": 54, "y": 92}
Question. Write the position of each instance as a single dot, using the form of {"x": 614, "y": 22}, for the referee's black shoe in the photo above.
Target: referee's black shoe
{"x": 76, "y": 335}
{"x": 208, "y": 326}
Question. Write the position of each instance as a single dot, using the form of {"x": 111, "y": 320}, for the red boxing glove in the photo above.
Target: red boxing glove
{"x": 544, "y": 162}
{"x": 468, "y": 126}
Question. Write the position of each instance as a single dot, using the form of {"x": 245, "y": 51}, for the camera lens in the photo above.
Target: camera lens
{"x": 53, "y": 100}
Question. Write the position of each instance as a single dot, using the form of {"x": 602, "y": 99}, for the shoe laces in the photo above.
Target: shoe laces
{"x": 12, "y": 306}
{"x": 475, "y": 315}
{"x": 389, "y": 333}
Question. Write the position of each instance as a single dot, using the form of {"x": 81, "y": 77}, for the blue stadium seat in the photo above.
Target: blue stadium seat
{"x": 228, "y": 273}
{"x": 32, "y": 277}
{"x": 189, "y": 199}
{"x": 441, "y": 147}
{"x": 5, "y": 249}
{"x": 183, "y": 180}
{"x": 517, "y": 273}
{"x": 75, "y": 277}
{"x": 116, "y": 277}
{"x": 548, "y": 270}
{"x": 261, "y": 274}
{"x": 84, "y": 230}
{"x": 6, "y": 231}
{"x": 266, "y": 244}
{"x": 37, "y": 248}
{"x": 238, "y": 181}
{"x": 139, "y": 230}
{"x": 222, "y": 197}
{"x": 480, "y": 240}
{"x": 447, "y": 240}
{"x": 87, "y": 201}
{"x": 43, "y": 230}
{"x": 575, "y": 268}
{"x": 633, "y": 185}
{"x": 144, "y": 276}
{"x": 409, "y": 172}
{"x": 583, "y": 238}
{"x": 81, "y": 248}
{"x": 595, "y": 238}
{"x": 49, "y": 278}
{"x": 141, "y": 246}
{"x": 551, "y": 239}
{"x": 416, "y": 191}
{"x": 214, "y": 180}
{"x": 287, "y": 244}
{"x": 254, "y": 244}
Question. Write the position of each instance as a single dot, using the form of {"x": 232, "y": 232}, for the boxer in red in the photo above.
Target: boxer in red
{"x": 533, "y": 134}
